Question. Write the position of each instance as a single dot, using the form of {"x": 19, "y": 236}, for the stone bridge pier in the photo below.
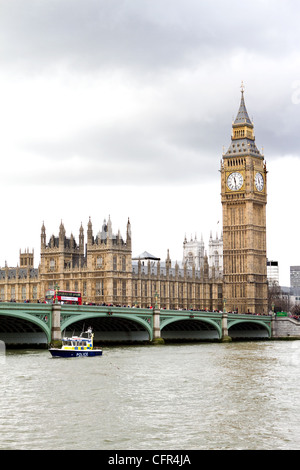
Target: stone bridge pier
{"x": 225, "y": 336}
{"x": 157, "y": 339}
{"x": 56, "y": 319}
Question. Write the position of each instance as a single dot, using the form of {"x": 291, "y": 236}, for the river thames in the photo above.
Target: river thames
{"x": 207, "y": 396}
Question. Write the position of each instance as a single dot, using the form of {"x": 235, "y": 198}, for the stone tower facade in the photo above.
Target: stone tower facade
{"x": 244, "y": 199}
{"x": 101, "y": 270}
{"x": 215, "y": 253}
{"x": 194, "y": 253}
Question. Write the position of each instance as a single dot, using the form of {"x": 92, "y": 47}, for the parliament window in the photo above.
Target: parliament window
{"x": 123, "y": 288}
{"x": 99, "y": 288}
{"x": 34, "y": 292}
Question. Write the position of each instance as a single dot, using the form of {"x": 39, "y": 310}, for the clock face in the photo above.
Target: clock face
{"x": 259, "y": 181}
{"x": 235, "y": 181}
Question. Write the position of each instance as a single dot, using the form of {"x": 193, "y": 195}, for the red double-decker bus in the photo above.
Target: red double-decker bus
{"x": 63, "y": 297}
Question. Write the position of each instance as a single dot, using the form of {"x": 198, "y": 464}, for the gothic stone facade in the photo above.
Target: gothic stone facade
{"x": 20, "y": 283}
{"x": 104, "y": 271}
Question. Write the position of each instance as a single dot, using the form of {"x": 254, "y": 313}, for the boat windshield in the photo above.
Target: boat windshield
{"x": 76, "y": 343}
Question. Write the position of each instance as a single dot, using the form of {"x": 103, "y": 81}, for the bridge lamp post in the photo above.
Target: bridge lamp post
{"x": 56, "y": 290}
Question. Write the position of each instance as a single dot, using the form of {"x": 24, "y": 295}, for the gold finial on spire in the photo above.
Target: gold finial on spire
{"x": 242, "y": 87}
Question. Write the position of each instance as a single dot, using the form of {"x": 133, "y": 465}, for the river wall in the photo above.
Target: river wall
{"x": 284, "y": 327}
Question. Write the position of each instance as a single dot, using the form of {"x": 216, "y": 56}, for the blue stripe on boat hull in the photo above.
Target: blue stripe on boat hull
{"x": 72, "y": 353}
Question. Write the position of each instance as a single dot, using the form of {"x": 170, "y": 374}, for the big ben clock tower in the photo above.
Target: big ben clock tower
{"x": 244, "y": 199}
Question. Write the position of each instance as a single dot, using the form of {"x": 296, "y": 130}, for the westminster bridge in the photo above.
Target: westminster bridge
{"x": 33, "y": 324}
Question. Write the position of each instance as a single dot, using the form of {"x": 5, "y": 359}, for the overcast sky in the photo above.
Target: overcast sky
{"x": 122, "y": 108}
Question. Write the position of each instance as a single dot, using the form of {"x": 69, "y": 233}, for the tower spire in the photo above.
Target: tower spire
{"x": 242, "y": 138}
{"x": 242, "y": 117}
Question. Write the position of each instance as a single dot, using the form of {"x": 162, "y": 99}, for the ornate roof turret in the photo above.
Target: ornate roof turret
{"x": 81, "y": 236}
{"x": 62, "y": 231}
{"x": 43, "y": 236}
{"x": 90, "y": 231}
{"x": 109, "y": 227}
{"x": 62, "y": 235}
{"x": 168, "y": 260}
{"x": 128, "y": 234}
{"x": 242, "y": 117}
{"x": 128, "y": 229}
{"x": 242, "y": 138}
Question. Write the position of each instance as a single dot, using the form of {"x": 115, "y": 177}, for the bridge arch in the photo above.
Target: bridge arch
{"x": 20, "y": 327}
{"x": 190, "y": 328}
{"x": 241, "y": 328}
{"x": 106, "y": 327}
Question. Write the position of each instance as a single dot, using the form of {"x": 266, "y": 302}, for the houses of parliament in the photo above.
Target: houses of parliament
{"x": 231, "y": 276}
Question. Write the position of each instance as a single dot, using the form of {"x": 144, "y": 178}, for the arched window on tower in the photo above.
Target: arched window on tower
{"x": 190, "y": 260}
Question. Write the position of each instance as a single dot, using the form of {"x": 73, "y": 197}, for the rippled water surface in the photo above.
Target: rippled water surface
{"x": 194, "y": 396}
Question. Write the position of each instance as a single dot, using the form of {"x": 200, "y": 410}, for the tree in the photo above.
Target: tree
{"x": 296, "y": 310}
{"x": 276, "y": 300}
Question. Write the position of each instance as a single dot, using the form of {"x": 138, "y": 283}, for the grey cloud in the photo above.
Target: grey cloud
{"x": 172, "y": 150}
{"x": 163, "y": 146}
{"x": 92, "y": 34}
{"x": 123, "y": 158}
{"x": 89, "y": 34}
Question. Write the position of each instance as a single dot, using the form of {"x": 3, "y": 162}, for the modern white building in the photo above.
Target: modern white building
{"x": 295, "y": 276}
{"x": 273, "y": 272}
